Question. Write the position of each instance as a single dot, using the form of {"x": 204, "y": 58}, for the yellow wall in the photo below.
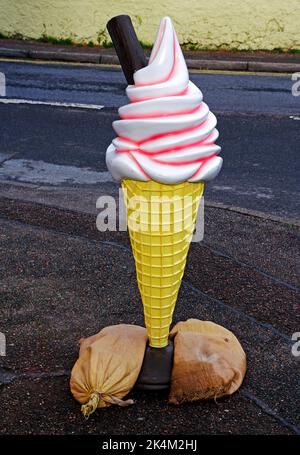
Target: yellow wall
{"x": 235, "y": 24}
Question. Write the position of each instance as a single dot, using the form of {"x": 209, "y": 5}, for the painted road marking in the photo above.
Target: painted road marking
{"x": 31, "y": 171}
{"x": 51, "y": 103}
{"x": 5, "y": 156}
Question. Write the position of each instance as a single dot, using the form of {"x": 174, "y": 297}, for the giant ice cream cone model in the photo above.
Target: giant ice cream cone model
{"x": 160, "y": 250}
{"x": 164, "y": 152}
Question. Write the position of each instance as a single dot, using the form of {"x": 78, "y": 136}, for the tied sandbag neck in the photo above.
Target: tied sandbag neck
{"x": 95, "y": 397}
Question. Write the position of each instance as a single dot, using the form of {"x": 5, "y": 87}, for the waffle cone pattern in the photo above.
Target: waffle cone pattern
{"x": 160, "y": 246}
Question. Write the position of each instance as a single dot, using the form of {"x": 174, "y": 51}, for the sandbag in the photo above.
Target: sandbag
{"x": 209, "y": 362}
{"x": 108, "y": 366}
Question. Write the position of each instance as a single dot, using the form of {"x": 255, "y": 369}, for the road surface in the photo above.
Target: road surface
{"x": 62, "y": 279}
{"x": 63, "y": 141}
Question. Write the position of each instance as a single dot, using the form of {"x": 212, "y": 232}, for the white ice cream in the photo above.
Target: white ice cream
{"x": 167, "y": 133}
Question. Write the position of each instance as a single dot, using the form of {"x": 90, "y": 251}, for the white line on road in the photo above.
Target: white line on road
{"x": 25, "y": 173}
{"x": 31, "y": 171}
{"x": 51, "y": 103}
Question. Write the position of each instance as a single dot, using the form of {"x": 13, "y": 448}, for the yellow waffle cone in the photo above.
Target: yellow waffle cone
{"x": 161, "y": 220}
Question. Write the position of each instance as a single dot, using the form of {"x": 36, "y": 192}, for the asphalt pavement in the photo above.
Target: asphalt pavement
{"x": 258, "y": 120}
{"x": 94, "y": 84}
{"x": 61, "y": 279}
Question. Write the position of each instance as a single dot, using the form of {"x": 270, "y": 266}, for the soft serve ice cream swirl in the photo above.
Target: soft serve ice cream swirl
{"x": 167, "y": 133}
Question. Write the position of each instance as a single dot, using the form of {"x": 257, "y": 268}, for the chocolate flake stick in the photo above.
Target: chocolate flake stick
{"x": 128, "y": 48}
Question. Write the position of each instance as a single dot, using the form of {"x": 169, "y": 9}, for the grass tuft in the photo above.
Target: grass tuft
{"x": 51, "y": 39}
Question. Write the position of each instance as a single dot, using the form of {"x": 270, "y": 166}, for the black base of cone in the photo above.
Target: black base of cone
{"x": 156, "y": 369}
